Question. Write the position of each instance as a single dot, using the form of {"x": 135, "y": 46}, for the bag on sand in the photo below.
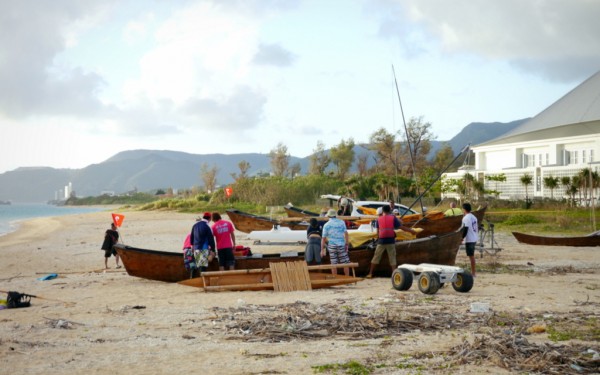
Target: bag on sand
{"x": 16, "y": 299}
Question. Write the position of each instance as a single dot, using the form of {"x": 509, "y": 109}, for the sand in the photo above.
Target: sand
{"x": 95, "y": 322}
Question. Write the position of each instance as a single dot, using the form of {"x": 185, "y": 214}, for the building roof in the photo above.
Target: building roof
{"x": 580, "y": 107}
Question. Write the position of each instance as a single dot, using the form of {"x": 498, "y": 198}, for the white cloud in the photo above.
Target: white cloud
{"x": 556, "y": 39}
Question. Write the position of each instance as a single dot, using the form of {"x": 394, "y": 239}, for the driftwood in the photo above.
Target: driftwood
{"x": 516, "y": 353}
{"x": 304, "y": 320}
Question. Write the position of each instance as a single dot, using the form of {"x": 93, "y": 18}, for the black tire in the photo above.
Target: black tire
{"x": 429, "y": 282}
{"x": 463, "y": 283}
{"x": 402, "y": 279}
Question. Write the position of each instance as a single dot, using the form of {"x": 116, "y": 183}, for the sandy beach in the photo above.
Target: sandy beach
{"x": 92, "y": 321}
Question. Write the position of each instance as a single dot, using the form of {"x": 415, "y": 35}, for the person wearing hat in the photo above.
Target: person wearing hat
{"x": 335, "y": 241}
{"x": 203, "y": 242}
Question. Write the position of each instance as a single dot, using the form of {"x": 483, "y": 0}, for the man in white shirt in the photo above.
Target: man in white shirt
{"x": 469, "y": 228}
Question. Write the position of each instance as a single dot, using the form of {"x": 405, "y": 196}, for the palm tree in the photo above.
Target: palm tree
{"x": 526, "y": 180}
{"x": 551, "y": 183}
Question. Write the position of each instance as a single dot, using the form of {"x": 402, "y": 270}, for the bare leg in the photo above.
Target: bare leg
{"x": 373, "y": 265}
{"x": 105, "y": 263}
{"x": 472, "y": 259}
{"x": 347, "y": 271}
{"x": 117, "y": 260}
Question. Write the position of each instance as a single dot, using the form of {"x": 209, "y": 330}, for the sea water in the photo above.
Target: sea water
{"x": 11, "y": 214}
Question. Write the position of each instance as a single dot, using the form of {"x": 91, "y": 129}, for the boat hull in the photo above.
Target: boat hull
{"x": 168, "y": 266}
{"x": 583, "y": 241}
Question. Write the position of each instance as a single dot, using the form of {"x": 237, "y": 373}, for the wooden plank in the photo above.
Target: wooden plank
{"x": 331, "y": 266}
{"x": 258, "y": 286}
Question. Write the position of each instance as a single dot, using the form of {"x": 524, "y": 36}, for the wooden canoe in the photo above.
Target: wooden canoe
{"x": 262, "y": 279}
{"x": 431, "y": 225}
{"x": 245, "y": 222}
{"x": 292, "y": 211}
{"x": 168, "y": 266}
{"x": 582, "y": 241}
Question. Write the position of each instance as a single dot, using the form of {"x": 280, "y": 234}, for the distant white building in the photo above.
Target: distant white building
{"x": 560, "y": 141}
{"x": 68, "y": 190}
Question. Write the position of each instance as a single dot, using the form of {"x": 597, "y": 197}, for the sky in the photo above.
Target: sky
{"x": 83, "y": 80}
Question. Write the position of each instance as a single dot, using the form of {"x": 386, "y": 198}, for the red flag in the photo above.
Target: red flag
{"x": 118, "y": 219}
{"x": 228, "y": 191}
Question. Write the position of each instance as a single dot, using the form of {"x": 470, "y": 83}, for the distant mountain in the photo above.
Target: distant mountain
{"x": 146, "y": 170}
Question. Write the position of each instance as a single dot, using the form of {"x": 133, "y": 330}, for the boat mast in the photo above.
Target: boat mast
{"x": 410, "y": 150}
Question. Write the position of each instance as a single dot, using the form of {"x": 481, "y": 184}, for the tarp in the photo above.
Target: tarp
{"x": 358, "y": 238}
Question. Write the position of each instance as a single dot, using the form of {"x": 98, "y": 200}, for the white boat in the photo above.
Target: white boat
{"x": 278, "y": 234}
{"x": 284, "y": 235}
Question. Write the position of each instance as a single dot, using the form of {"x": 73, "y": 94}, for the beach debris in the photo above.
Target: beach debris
{"x": 49, "y": 276}
{"x": 62, "y": 323}
{"x": 337, "y": 319}
{"x": 516, "y": 354}
{"x": 480, "y": 307}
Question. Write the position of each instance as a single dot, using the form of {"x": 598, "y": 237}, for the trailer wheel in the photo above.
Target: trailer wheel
{"x": 429, "y": 282}
{"x": 463, "y": 283}
{"x": 402, "y": 279}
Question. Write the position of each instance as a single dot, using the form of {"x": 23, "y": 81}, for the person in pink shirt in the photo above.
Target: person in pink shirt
{"x": 223, "y": 231}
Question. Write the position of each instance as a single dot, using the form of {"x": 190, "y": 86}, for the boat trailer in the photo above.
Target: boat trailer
{"x": 431, "y": 277}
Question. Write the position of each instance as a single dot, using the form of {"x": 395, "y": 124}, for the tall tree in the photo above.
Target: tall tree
{"x": 342, "y": 156}
{"x": 280, "y": 159}
{"x": 361, "y": 164}
{"x": 209, "y": 177}
{"x": 244, "y": 167}
{"x": 443, "y": 157}
{"x": 294, "y": 170}
{"x": 387, "y": 151}
{"x": 319, "y": 160}
{"x": 419, "y": 136}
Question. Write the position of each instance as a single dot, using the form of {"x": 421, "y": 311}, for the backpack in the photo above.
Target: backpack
{"x": 16, "y": 299}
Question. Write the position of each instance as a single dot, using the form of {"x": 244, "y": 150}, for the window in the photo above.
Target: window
{"x": 583, "y": 158}
{"x": 574, "y": 155}
{"x": 547, "y": 159}
{"x": 540, "y": 159}
{"x": 591, "y": 156}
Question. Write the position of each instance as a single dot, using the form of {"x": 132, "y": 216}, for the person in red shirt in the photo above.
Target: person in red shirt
{"x": 386, "y": 233}
{"x": 224, "y": 234}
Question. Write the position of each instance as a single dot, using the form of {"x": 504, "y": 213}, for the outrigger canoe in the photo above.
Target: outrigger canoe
{"x": 168, "y": 266}
{"x": 592, "y": 239}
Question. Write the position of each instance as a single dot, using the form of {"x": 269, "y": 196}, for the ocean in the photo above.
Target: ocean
{"x": 10, "y": 214}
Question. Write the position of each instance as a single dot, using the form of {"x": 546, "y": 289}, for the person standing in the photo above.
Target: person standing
{"x": 453, "y": 210}
{"x": 203, "y": 242}
{"x": 470, "y": 228}
{"x": 386, "y": 225}
{"x": 314, "y": 233}
{"x": 335, "y": 240}
{"x": 111, "y": 237}
{"x": 223, "y": 231}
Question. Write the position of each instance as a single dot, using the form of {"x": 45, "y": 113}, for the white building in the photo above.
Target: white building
{"x": 560, "y": 141}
